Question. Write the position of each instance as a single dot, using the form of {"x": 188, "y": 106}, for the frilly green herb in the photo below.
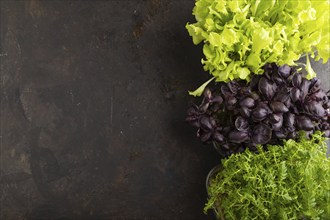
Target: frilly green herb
{"x": 287, "y": 182}
{"x": 242, "y": 36}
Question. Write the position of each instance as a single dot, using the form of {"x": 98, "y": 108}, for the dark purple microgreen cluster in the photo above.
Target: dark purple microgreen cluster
{"x": 271, "y": 107}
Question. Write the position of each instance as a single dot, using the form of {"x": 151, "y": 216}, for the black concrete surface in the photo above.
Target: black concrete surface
{"x": 93, "y": 99}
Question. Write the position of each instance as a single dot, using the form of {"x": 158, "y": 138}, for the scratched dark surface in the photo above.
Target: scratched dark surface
{"x": 93, "y": 98}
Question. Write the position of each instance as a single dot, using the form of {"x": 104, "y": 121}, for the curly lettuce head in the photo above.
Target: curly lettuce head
{"x": 240, "y": 37}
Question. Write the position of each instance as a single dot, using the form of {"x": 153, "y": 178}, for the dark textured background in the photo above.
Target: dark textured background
{"x": 93, "y": 98}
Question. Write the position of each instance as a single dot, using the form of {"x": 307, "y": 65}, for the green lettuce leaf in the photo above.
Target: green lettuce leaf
{"x": 244, "y": 35}
{"x": 310, "y": 72}
{"x": 200, "y": 90}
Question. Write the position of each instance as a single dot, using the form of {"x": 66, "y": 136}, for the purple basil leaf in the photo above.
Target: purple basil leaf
{"x": 276, "y": 121}
{"x": 261, "y": 134}
{"x": 195, "y": 124}
{"x": 207, "y": 94}
{"x": 294, "y": 109}
{"x": 296, "y": 80}
{"x": 282, "y": 95}
{"x": 190, "y": 118}
{"x": 255, "y": 96}
{"x": 304, "y": 88}
{"x": 225, "y": 146}
{"x": 193, "y": 110}
{"x": 245, "y": 90}
{"x": 266, "y": 87}
{"x": 288, "y": 103}
{"x": 204, "y": 106}
{"x": 315, "y": 85}
{"x": 205, "y": 123}
{"x": 216, "y": 108}
{"x": 278, "y": 107}
{"x": 280, "y": 134}
{"x": 205, "y": 136}
{"x": 327, "y": 105}
{"x": 245, "y": 112}
{"x": 318, "y": 96}
{"x": 268, "y": 67}
{"x": 284, "y": 71}
{"x": 218, "y": 99}
{"x": 193, "y": 120}
{"x": 213, "y": 122}
{"x": 218, "y": 137}
{"x": 295, "y": 94}
{"x": 278, "y": 79}
{"x": 314, "y": 89}
{"x": 241, "y": 124}
{"x": 327, "y": 133}
{"x": 289, "y": 119}
{"x": 260, "y": 112}
{"x": 275, "y": 88}
{"x": 247, "y": 102}
{"x": 267, "y": 75}
{"x": 277, "y": 126}
{"x": 238, "y": 136}
{"x": 275, "y": 118}
{"x": 225, "y": 91}
{"x": 234, "y": 86}
{"x": 231, "y": 100}
{"x": 254, "y": 82}
{"x": 325, "y": 125}
{"x": 314, "y": 108}
{"x": 304, "y": 123}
